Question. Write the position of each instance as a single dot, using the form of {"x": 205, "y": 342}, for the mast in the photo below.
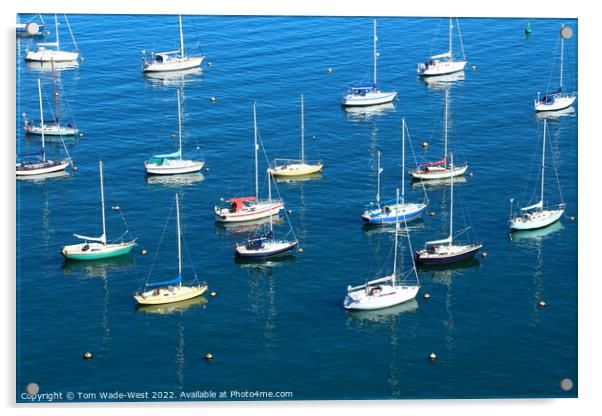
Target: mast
{"x": 180, "y": 120}
{"x": 270, "y": 196}
{"x": 256, "y": 149}
{"x": 374, "y": 57}
{"x": 395, "y": 249}
{"x": 302, "y": 133}
{"x": 543, "y": 159}
{"x": 446, "y": 124}
{"x": 102, "y": 204}
{"x": 179, "y": 240}
{"x": 378, "y": 170}
{"x": 42, "y": 120}
{"x": 56, "y": 29}
{"x": 561, "y": 55}
{"x": 56, "y": 92}
{"x": 403, "y": 159}
{"x": 451, "y": 206}
{"x": 450, "y": 37}
{"x": 181, "y": 37}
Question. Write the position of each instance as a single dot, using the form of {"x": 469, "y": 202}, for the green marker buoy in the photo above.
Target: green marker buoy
{"x": 528, "y": 29}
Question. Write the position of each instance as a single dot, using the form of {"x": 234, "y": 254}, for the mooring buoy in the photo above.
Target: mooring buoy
{"x": 144, "y": 252}
{"x": 427, "y": 295}
{"x": 432, "y": 356}
{"x": 542, "y": 304}
{"x": 213, "y": 99}
{"x": 87, "y": 356}
{"x": 425, "y": 144}
{"x": 208, "y": 356}
{"x": 484, "y": 254}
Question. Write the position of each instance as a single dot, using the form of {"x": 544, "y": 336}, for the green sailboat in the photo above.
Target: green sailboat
{"x": 95, "y": 248}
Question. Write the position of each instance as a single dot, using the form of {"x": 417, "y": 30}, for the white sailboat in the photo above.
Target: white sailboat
{"x": 368, "y": 94}
{"x": 537, "y": 215}
{"x": 44, "y": 54}
{"x": 173, "y": 60}
{"x": 444, "y": 63}
{"x": 172, "y": 290}
{"x": 53, "y": 127}
{"x": 445, "y": 251}
{"x": 173, "y": 163}
{"x": 558, "y": 99}
{"x": 440, "y": 169}
{"x": 95, "y": 248}
{"x": 262, "y": 245}
{"x": 249, "y": 208}
{"x": 285, "y": 168}
{"x": 38, "y": 164}
{"x": 386, "y": 213}
{"x": 386, "y": 291}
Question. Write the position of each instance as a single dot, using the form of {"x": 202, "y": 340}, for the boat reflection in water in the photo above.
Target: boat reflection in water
{"x": 47, "y": 66}
{"x": 175, "y": 180}
{"x": 366, "y": 113}
{"x": 375, "y": 229}
{"x": 44, "y": 177}
{"x": 173, "y": 78}
{"x": 551, "y": 115}
{"x": 535, "y": 235}
{"x": 225, "y": 228}
{"x": 172, "y": 308}
{"x": 443, "y": 81}
{"x": 435, "y": 184}
{"x": 295, "y": 179}
{"x": 263, "y": 263}
{"x": 96, "y": 268}
{"x": 382, "y": 315}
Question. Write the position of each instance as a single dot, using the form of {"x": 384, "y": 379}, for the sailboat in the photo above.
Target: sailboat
{"x": 290, "y": 167}
{"x": 384, "y": 213}
{"x": 440, "y": 169}
{"x": 386, "y": 291}
{"x": 173, "y": 60}
{"x": 172, "y": 290}
{"x": 38, "y": 164}
{"x": 249, "y": 208}
{"x": 95, "y": 248}
{"x": 43, "y": 54}
{"x": 536, "y": 216}
{"x": 261, "y": 245}
{"x": 53, "y": 127}
{"x": 368, "y": 94}
{"x": 444, "y": 63}
{"x": 172, "y": 163}
{"x": 559, "y": 98}
{"x": 445, "y": 251}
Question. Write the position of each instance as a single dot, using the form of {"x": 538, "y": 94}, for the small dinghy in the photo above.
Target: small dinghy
{"x": 249, "y": 208}
{"x": 39, "y": 164}
{"x": 173, "y": 163}
{"x": 390, "y": 212}
{"x": 386, "y": 291}
{"x": 559, "y": 98}
{"x": 31, "y": 28}
{"x": 173, "y": 290}
{"x": 51, "y": 51}
{"x": 440, "y": 169}
{"x": 444, "y": 63}
{"x": 285, "y": 168}
{"x": 95, "y": 248}
{"x": 262, "y": 244}
{"x": 368, "y": 94}
{"x": 173, "y": 60}
{"x": 445, "y": 251}
{"x": 536, "y": 215}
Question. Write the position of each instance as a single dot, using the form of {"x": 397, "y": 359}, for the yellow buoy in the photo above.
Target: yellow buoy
{"x": 144, "y": 252}
{"x": 431, "y": 213}
{"x": 88, "y": 356}
{"x": 208, "y": 356}
{"x": 213, "y": 293}
{"x": 484, "y": 254}
{"x": 426, "y": 295}
{"x": 432, "y": 356}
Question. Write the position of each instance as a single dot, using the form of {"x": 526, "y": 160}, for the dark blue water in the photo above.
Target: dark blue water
{"x": 280, "y": 326}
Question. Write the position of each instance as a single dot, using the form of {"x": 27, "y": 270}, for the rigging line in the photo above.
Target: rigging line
{"x": 159, "y": 245}
{"x": 110, "y": 186}
{"x": 190, "y": 260}
{"x": 426, "y": 198}
{"x": 555, "y": 165}
{"x": 554, "y": 59}
{"x": 435, "y": 38}
{"x": 71, "y": 33}
{"x": 405, "y": 221}
{"x": 460, "y": 36}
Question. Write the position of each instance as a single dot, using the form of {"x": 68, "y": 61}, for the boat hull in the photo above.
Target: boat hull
{"x": 169, "y": 294}
{"x": 47, "y": 55}
{"x": 52, "y": 130}
{"x": 439, "y": 174}
{"x": 390, "y": 296}
{"x": 177, "y": 64}
{"x": 408, "y": 213}
{"x": 559, "y": 103}
{"x": 271, "y": 250}
{"x": 549, "y": 217}
{"x": 375, "y": 98}
{"x": 442, "y": 68}
{"x": 42, "y": 169}
{"x": 224, "y": 215}
{"x": 174, "y": 167}
{"x": 422, "y": 258}
{"x": 295, "y": 169}
{"x": 96, "y": 251}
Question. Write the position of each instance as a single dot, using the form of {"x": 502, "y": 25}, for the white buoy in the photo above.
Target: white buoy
{"x": 542, "y": 304}
{"x": 88, "y": 356}
{"x": 484, "y": 254}
{"x": 74, "y": 167}
{"x": 426, "y": 295}
{"x": 209, "y": 64}
{"x": 290, "y": 211}
{"x": 432, "y": 356}
{"x": 81, "y": 135}
{"x": 213, "y": 99}
{"x": 572, "y": 218}
{"x": 206, "y": 169}
{"x": 474, "y": 67}
{"x": 470, "y": 173}
{"x": 300, "y": 250}
{"x": 431, "y": 213}
{"x": 425, "y": 144}
{"x": 208, "y": 356}
{"x": 329, "y": 70}
{"x": 144, "y": 252}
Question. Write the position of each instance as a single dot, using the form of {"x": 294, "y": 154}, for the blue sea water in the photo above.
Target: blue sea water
{"x": 280, "y": 326}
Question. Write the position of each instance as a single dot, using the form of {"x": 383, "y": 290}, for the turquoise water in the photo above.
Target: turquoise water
{"x": 280, "y": 326}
